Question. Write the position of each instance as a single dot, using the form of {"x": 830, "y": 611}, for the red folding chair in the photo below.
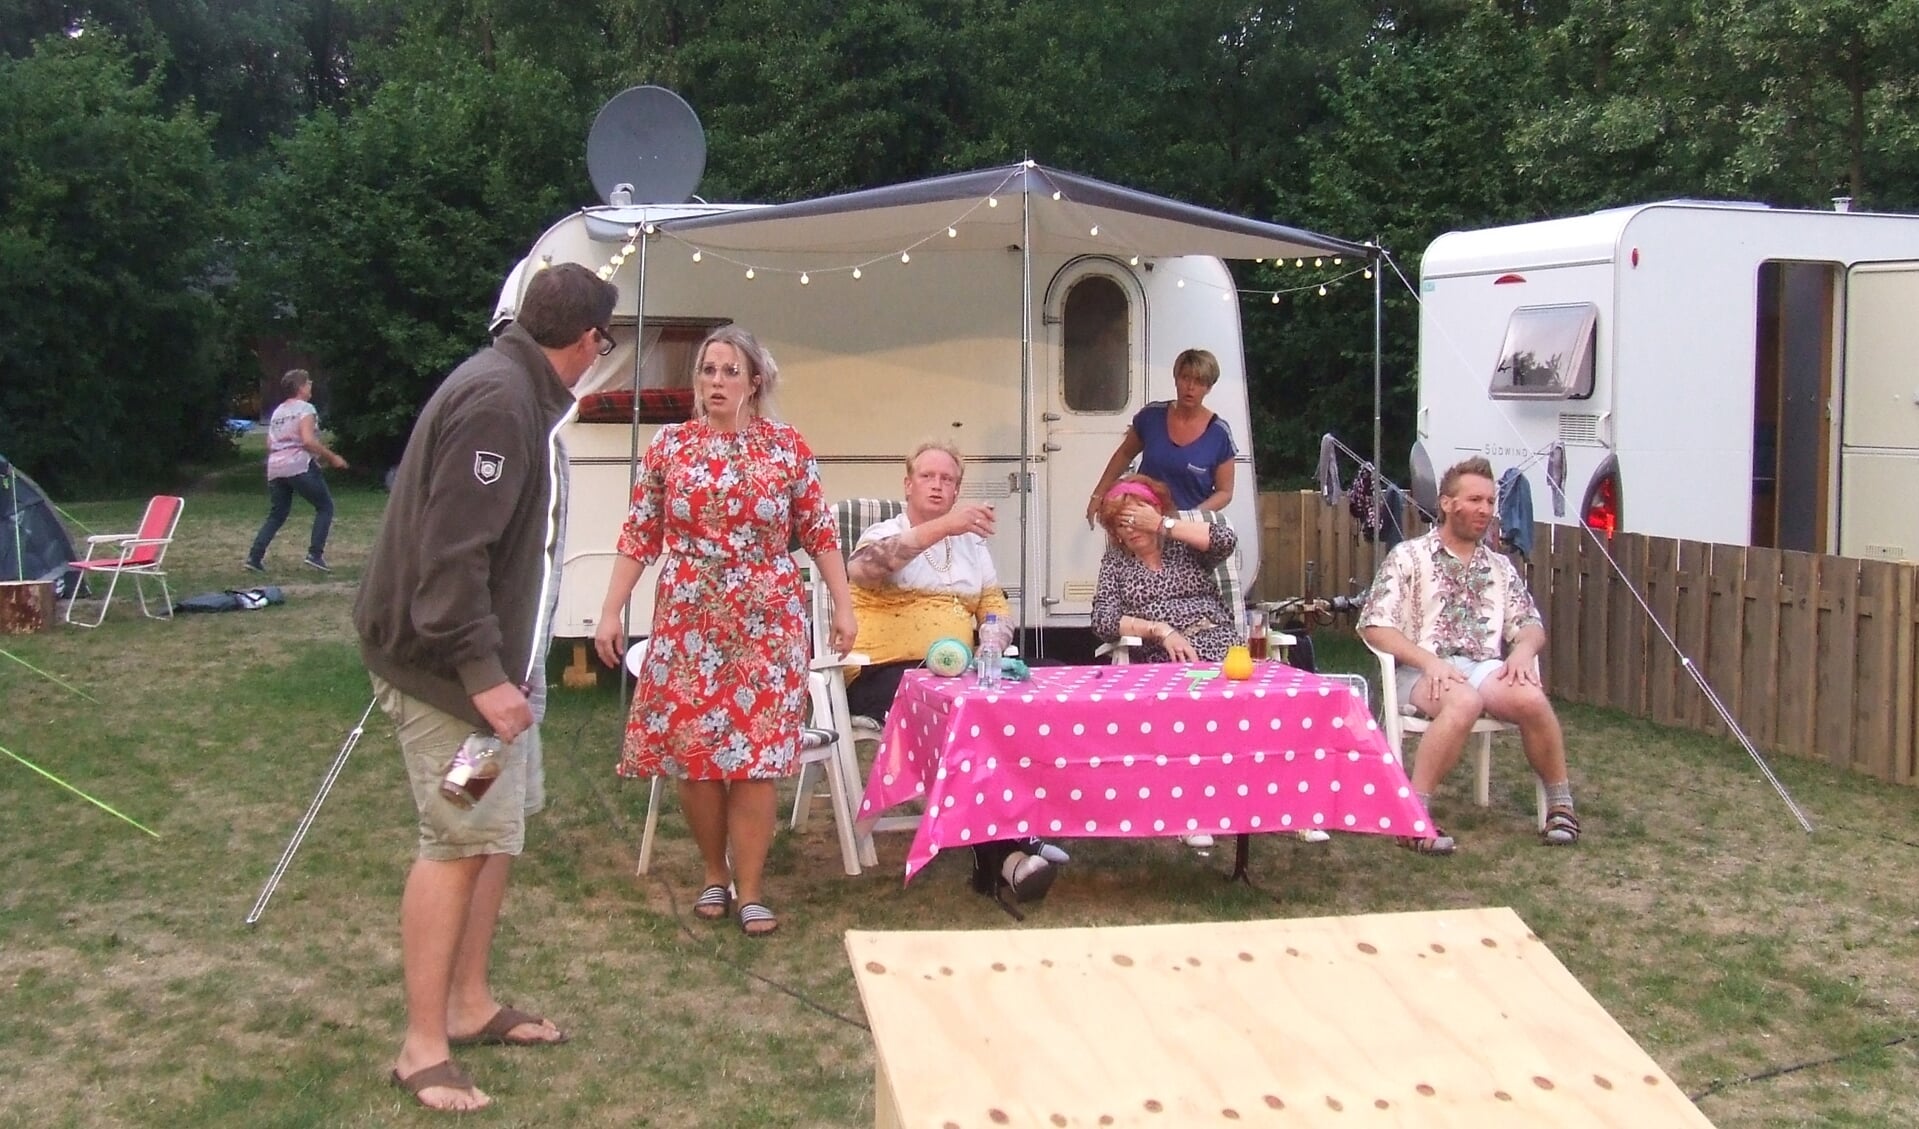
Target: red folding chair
{"x": 139, "y": 554}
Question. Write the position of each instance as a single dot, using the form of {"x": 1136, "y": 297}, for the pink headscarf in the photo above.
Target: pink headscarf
{"x": 1133, "y": 489}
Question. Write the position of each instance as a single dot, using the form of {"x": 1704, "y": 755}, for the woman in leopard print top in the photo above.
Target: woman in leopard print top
{"x": 1156, "y": 581}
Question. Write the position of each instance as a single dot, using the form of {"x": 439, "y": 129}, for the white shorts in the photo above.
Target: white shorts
{"x": 1475, "y": 670}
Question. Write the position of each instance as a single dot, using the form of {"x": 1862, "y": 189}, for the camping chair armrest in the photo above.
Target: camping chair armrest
{"x": 1125, "y": 644}
{"x": 103, "y": 538}
{"x": 851, "y": 658}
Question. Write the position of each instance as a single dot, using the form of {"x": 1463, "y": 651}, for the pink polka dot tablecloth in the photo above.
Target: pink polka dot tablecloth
{"x": 1136, "y": 751}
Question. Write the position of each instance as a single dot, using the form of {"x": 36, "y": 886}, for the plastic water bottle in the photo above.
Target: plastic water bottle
{"x": 992, "y": 641}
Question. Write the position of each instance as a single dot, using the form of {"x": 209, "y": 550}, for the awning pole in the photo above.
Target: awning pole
{"x": 1025, "y": 382}
{"x": 633, "y": 440}
{"x": 1379, "y": 319}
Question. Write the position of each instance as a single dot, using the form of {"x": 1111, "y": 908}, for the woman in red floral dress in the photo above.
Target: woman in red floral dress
{"x": 722, "y": 696}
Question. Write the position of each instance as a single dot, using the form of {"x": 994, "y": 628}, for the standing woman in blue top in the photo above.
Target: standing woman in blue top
{"x": 1181, "y": 442}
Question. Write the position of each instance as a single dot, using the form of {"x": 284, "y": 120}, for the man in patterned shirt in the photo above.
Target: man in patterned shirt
{"x": 920, "y": 577}
{"x": 1466, "y": 635}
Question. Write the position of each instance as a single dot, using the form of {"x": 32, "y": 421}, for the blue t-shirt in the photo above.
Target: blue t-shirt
{"x": 1187, "y": 471}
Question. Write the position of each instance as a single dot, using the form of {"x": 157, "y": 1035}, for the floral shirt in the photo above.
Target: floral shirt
{"x": 1471, "y": 609}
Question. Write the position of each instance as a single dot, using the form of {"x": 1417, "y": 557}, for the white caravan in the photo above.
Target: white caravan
{"x": 1022, "y": 313}
{"x": 1710, "y": 371}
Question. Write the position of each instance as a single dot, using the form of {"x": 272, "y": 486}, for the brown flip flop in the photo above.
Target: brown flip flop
{"x": 498, "y": 1032}
{"x": 442, "y": 1073}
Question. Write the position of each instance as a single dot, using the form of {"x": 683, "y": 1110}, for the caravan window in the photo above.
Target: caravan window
{"x": 666, "y": 373}
{"x": 1097, "y": 345}
{"x": 1548, "y": 353}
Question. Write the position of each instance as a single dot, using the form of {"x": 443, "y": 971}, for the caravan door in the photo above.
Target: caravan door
{"x": 1879, "y": 439}
{"x": 1093, "y": 382}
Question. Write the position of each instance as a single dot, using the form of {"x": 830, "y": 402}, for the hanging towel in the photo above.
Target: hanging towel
{"x": 1556, "y": 476}
{"x": 1392, "y": 517}
{"x": 1516, "y": 513}
{"x": 1328, "y": 473}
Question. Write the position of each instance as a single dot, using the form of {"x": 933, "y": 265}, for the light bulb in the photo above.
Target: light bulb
{"x": 1368, "y": 272}
{"x": 1055, "y": 193}
{"x": 1133, "y": 262}
{"x": 1322, "y": 291}
{"x": 749, "y": 272}
{"x": 906, "y": 257}
{"x": 696, "y": 256}
{"x": 1095, "y": 230}
{"x": 856, "y": 272}
{"x": 1227, "y": 296}
{"x": 1275, "y": 297}
{"x": 633, "y": 232}
{"x": 605, "y": 273}
{"x": 952, "y": 233}
{"x": 627, "y": 250}
{"x": 1182, "y": 284}
{"x": 1337, "y": 260}
{"x": 649, "y": 229}
{"x": 805, "y": 279}
{"x": 992, "y": 201}
{"x": 1319, "y": 262}
{"x": 1299, "y": 262}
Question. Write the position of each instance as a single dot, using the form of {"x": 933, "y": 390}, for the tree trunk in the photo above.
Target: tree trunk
{"x": 26, "y": 606}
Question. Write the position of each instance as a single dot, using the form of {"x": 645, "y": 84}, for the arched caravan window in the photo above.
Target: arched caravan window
{"x": 1097, "y": 339}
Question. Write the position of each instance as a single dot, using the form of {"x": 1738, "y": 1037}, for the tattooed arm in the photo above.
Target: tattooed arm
{"x": 873, "y": 564}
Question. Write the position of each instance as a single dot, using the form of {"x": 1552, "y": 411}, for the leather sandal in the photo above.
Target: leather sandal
{"x": 1562, "y": 827}
{"x": 498, "y": 1032}
{"x": 1438, "y": 843}
{"x": 441, "y": 1074}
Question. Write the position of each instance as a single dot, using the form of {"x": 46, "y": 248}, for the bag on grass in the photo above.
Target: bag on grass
{"x": 232, "y": 600}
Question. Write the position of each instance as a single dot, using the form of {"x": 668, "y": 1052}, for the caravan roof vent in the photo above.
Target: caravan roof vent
{"x": 646, "y": 147}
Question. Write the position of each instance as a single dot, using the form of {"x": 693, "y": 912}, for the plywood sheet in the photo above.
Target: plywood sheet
{"x": 1445, "y": 1018}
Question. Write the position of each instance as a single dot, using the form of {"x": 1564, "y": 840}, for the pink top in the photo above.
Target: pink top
{"x": 1136, "y": 751}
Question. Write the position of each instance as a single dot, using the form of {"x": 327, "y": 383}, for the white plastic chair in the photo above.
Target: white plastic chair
{"x": 824, "y": 746}
{"x": 1400, "y": 720}
{"x": 140, "y": 554}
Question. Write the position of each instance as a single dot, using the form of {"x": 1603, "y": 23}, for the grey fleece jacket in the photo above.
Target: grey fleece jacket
{"x": 453, "y": 600}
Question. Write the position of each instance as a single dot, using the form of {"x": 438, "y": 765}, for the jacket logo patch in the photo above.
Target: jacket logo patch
{"x": 487, "y": 467}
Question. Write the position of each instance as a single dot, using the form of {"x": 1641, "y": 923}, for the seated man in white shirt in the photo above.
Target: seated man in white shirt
{"x": 1442, "y": 606}
{"x": 921, "y": 577}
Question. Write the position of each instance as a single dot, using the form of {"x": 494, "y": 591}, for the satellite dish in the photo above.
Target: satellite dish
{"x": 647, "y": 144}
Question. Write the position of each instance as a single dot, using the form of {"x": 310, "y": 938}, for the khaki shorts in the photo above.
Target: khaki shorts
{"x": 428, "y": 739}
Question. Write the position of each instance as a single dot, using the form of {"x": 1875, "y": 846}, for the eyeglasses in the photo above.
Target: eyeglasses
{"x": 731, "y": 372}
{"x": 606, "y": 340}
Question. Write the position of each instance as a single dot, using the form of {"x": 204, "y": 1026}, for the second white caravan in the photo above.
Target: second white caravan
{"x": 1710, "y": 371}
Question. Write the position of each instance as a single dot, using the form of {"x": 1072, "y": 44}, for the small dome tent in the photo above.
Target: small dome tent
{"x": 33, "y": 543}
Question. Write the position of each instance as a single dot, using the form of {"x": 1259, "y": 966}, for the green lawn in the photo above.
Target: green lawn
{"x": 1726, "y": 941}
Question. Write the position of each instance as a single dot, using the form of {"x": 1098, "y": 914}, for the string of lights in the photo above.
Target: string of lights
{"x": 752, "y": 269}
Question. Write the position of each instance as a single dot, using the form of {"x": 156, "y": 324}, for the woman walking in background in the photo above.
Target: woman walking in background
{"x": 721, "y": 696}
{"x": 293, "y": 453}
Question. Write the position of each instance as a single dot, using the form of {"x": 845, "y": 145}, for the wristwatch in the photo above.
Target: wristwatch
{"x": 1165, "y": 527}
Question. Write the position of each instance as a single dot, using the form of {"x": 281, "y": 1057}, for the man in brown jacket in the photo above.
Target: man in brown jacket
{"x": 454, "y": 616}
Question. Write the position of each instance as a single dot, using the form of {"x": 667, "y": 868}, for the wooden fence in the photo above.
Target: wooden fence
{"x": 1814, "y": 656}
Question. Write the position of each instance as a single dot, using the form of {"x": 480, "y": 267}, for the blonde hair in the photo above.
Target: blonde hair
{"x": 761, "y": 369}
{"x": 942, "y": 446}
{"x": 1200, "y": 363}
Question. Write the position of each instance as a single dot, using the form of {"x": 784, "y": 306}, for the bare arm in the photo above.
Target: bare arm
{"x": 1222, "y": 488}
{"x": 1129, "y": 449}
{"x": 609, "y": 635}
{"x": 1405, "y": 652}
{"x": 874, "y": 563}
{"x": 310, "y": 439}
{"x": 845, "y": 626}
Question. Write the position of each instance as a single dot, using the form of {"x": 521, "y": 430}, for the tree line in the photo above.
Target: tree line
{"x": 179, "y": 180}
